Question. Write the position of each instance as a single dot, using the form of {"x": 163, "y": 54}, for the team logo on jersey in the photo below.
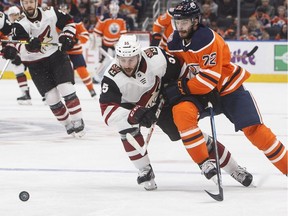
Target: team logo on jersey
{"x": 45, "y": 37}
{"x": 114, "y": 28}
{"x": 114, "y": 70}
{"x": 149, "y": 98}
{"x": 150, "y": 52}
{"x": 191, "y": 70}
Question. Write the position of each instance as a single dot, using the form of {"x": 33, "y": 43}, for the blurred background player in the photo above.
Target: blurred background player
{"x": 17, "y": 67}
{"x": 162, "y": 28}
{"x": 76, "y": 53}
{"x": 49, "y": 65}
{"x": 109, "y": 28}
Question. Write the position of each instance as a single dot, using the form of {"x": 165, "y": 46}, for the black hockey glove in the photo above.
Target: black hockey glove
{"x": 9, "y": 52}
{"x": 143, "y": 116}
{"x": 34, "y": 45}
{"x": 17, "y": 61}
{"x": 155, "y": 39}
{"x": 174, "y": 91}
{"x": 66, "y": 39}
{"x": 212, "y": 97}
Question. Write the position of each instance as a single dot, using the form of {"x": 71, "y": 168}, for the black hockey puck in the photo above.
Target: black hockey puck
{"x": 24, "y": 196}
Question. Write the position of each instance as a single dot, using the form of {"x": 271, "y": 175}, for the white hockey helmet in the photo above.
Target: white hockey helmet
{"x": 128, "y": 46}
{"x": 13, "y": 10}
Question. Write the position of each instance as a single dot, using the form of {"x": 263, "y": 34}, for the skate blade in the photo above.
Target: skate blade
{"x": 25, "y": 102}
{"x": 150, "y": 185}
{"x": 80, "y": 134}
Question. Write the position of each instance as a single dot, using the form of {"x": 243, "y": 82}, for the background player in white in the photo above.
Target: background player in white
{"x": 130, "y": 90}
{"x": 49, "y": 66}
{"x": 13, "y": 14}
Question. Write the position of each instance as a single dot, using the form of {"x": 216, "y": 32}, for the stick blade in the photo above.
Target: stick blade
{"x": 218, "y": 197}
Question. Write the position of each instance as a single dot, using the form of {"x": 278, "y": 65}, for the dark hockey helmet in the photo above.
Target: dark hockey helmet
{"x": 187, "y": 9}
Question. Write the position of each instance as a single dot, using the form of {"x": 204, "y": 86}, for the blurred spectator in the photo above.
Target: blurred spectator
{"x": 282, "y": 35}
{"x": 281, "y": 17}
{"x": 73, "y": 8}
{"x": 254, "y": 28}
{"x": 83, "y": 15}
{"x": 227, "y": 8}
{"x": 130, "y": 9}
{"x": 263, "y": 18}
{"x": 207, "y": 15}
{"x": 246, "y": 35}
{"x": 230, "y": 34}
{"x": 266, "y": 8}
{"x": 213, "y": 6}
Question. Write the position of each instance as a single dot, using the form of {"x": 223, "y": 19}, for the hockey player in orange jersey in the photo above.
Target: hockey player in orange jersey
{"x": 110, "y": 27}
{"x": 162, "y": 28}
{"x": 210, "y": 76}
{"x": 76, "y": 53}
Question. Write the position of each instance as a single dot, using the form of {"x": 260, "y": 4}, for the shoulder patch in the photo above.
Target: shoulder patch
{"x": 114, "y": 69}
{"x": 20, "y": 17}
{"x": 151, "y": 51}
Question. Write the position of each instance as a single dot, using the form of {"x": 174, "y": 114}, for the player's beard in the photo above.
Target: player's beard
{"x": 31, "y": 12}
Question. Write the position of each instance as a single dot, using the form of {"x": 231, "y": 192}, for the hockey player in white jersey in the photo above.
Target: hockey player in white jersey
{"x": 49, "y": 65}
{"x": 129, "y": 97}
{"x": 18, "y": 68}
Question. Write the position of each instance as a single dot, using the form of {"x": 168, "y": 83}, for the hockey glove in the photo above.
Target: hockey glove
{"x": 143, "y": 116}
{"x": 212, "y": 97}
{"x": 17, "y": 61}
{"x": 34, "y": 45}
{"x": 155, "y": 40}
{"x": 9, "y": 52}
{"x": 66, "y": 39}
{"x": 174, "y": 91}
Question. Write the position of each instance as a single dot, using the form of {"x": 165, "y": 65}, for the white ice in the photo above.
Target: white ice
{"x": 93, "y": 176}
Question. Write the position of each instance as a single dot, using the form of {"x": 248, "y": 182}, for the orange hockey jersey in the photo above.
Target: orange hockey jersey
{"x": 82, "y": 37}
{"x": 207, "y": 62}
{"x": 164, "y": 26}
{"x": 110, "y": 29}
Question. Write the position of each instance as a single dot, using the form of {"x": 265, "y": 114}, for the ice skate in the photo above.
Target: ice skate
{"x": 208, "y": 170}
{"x": 69, "y": 128}
{"x": 242, "y": 176}
{"x": 93, "y": 93}
{"x": 146, "y": 177}
{"x": 25, "y": 99}
{"x": 79, "y": 128}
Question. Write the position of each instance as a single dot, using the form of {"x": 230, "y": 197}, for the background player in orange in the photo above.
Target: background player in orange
{"x": 75, "y": 54}
{"x": 211, "y": 77}
{"x": 162, "y": 28}
{"x": 110, "y": 27}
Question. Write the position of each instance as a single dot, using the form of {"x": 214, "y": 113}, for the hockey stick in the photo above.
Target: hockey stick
{"x": 134, "y": 142}
{"x": 25, "y": 42}
{"x": 4, "y": 68}
{"x": 255, "y": 48}
{"x": 220, "y": 195}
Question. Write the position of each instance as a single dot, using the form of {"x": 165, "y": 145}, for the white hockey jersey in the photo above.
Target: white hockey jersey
{"x": 43, "y": 27}
{"x": 121, "y": 93}
{"x": 5, "y": 25}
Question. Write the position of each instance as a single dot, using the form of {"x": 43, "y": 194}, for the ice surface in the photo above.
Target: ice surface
{"x": 92, "y": 176}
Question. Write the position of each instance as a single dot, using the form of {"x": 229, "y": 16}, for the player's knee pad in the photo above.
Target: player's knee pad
{"x": 52, "y": 97}
{"x": 66, "y": 88}
{"x": 185, "y": 115}
{"x": 260, "y": 136}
